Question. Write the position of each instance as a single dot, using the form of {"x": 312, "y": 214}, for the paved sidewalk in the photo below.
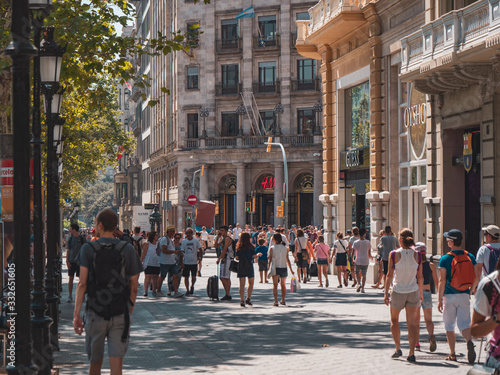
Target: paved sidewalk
{"x": 321, "y": 330}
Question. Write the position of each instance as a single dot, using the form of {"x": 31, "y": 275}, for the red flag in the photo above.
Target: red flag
{"x": 120, "y": 155}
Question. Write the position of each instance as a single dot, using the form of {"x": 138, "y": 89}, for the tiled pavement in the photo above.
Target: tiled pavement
{"x": 321, "y": 331}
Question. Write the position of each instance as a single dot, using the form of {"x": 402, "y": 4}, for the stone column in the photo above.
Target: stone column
{"x": 278, "y": 191}
{"x": 204, "y": 184}
{"x": 379, "y": 202}
{"x": 318, "y": 189}
{"x": 240, "y": 194}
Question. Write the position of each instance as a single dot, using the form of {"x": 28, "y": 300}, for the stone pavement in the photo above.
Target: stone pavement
{"x": 321, "y": 330}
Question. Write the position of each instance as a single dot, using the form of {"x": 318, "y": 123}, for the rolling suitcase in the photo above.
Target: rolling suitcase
{"x": 213, "y": 286}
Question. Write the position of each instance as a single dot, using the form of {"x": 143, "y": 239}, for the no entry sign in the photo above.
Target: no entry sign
{"x": 192, "y": 199}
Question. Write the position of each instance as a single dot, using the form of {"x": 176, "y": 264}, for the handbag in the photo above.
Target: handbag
{"x": 305, "y": 253}
{"x": 233, "y": 266}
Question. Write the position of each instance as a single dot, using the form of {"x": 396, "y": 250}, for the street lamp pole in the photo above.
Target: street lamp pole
{"x": 20, "y": 50}
{"x": 241, "y": 110}
{"x": 278, "y": 110}
{"x": 204, "y": 114}
{"x": 285, "y": 183}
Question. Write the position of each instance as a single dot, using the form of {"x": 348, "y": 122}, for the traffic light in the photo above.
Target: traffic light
{"x": 189, "y": 215}
{"x": 253, "y": 204}
{"x": 248, "y": 206}
{"x": 269, "y": 140}
{"x": 216, "y": 207}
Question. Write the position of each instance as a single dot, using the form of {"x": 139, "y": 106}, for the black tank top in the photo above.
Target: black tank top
{"x": 426, "y": 272}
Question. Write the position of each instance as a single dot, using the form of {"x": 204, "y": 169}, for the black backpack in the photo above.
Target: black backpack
{"x": 108, "y": 292}
{"x": 138, "y": 245}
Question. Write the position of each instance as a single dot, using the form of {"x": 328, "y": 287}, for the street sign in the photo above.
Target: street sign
{"x": 192, "y": 199}
{"x": 150, "y": 206}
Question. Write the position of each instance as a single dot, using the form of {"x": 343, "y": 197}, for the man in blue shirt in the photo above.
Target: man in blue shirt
{"x": 456, "y": 309}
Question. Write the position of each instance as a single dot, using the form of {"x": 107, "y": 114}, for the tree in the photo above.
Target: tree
{"x": 95, "y": 198}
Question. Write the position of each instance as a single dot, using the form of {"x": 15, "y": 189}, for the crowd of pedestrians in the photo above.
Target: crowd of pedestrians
{"x": 405, "y": 273}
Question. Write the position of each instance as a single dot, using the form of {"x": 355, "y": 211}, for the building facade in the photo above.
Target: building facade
{"x": 243, "y": 83}
{"x": 409, "y": 92}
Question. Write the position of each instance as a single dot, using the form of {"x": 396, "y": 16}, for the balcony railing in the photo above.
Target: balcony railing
{"x": 266, "y": 42}
{"x": 264, "y": 88}
{"x": 438, "y": 43}
{"x": 229, "y": 45}
{"x": 325, "y": 10}
{"x": 223, "y": 89}
{"x": 192, "y": 143}
{"x": 306, "y": 85}
{"x": 297, "y": 140}
{"x": 254, "y": 141}
{"x": 220, "y": 142}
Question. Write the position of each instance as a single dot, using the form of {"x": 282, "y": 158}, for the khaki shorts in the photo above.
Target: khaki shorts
{"x": 401, "y": 300}
{"x": 97, "y": 330}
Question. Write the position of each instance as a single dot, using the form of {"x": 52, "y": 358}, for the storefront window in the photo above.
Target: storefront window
{"x": 358, "y": 116}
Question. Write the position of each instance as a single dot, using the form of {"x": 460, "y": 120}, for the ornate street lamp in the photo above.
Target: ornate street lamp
{"x": 204, "y": 112}
{"x": 278, "y": 110}
{"x": 318, "y": 108}
{"x": 155, "y": 219}
{"x": 241, "y": 110}
{"x": 50, "y": 69}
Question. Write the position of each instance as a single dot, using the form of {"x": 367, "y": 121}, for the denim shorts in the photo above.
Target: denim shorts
{"x": 322, "y": 262}
{"x": 281, "y": 272}
{"x": 427, "y": 302}
{"x": 168, "y": 268}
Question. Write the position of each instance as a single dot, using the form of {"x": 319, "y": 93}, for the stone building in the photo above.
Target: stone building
{"x": 243, "y": 83}
{"x": 409, "y": 92}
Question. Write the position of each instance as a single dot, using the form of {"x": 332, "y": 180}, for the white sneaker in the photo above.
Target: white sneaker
{"x": 178, "y": 295}
{"x": 160, "y": 294}
{"x": 70, "y": 299}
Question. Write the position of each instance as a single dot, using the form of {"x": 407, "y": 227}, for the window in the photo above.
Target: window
{"x": 126, "y": 99}
{"x": 230, "y": 79}
{"x": 358, "y": 116}
{"x": 268, "y": 121}
{"x": 192, "y": 125}
{"x": 118, "y": 190}
{"x": 193, "y": 33}
{"x": 306, "y": 74}
{"x": 267, "y": 76}
{"x": 192, "y": 77}
{"x": 267, "y": 27}
{"x": 306, "y": 121}
{"x": 229, "y": 33}
{"x": 135, "y": 186}
{"x": 229, "y": 124}
{"x": 303, "y": 16}
{"x": 124, "y": 190}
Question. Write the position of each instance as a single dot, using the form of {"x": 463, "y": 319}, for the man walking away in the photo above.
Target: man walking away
{"x": 352, "y": 239}
{"x": 389, "y": 243}
{"x": 224, "y": 259}
{"x": 75, "y": 243}
{"x": 138, "y": 240}
{"x": 363, "y": 255}
{"x": 489, "y": 254}
{"x": 109, "y": 273}
{"x": 457, "y": 278}
{"x": 191, "y": 248}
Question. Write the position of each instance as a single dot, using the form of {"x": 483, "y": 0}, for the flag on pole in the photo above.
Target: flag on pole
{"x": 120, "y": 153}
{"x": 247, "y": 13}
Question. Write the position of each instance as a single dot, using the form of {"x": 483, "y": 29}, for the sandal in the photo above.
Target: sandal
{"x": 275, "y": 304}
{"x": 283, "y": 303}
{"x": 451, "y": 357}
{"x": 248, "y": 302}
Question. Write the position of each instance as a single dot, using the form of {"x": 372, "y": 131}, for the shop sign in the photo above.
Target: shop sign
{"x": 467, "y": 153}
{"x": 415, "y": 119}
{"x": 141, "y": 218}
{"x": 355, "y": 158}
{"x": 7, "y": 172}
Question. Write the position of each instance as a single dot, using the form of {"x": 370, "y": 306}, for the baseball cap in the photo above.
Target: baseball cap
{"x": 294, "y": 226}
{"x": 492, "y": 230}
{"x": 420, "y": 246}
{"x": 453, "y": 234}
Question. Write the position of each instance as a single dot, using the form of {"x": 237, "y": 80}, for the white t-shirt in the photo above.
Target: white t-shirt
{"x": 190, "y": 250}
{"x": 204, "y": 235}
{"x": 236, "y": 233}
{"x": 167, "y": 258}
{"x": 338, "y": 245}
{"x": 284, "y": 239}
{"x": 362, "y": 248}
{"x": 483, "y": 256}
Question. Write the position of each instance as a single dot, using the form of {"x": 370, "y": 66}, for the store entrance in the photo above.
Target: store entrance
{"x": 418, "y": 216}
{"x": 266, "y": 205}
{"x": 358, "y": 207}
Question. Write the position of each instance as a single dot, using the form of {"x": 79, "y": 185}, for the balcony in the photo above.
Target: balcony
{"x": 306, "y": 85}
{"x": 330, "y": 21}
{"x": 192, "y": 143}
{"x": 453, "y": 50}
{"x": 264, "y": 88}
{"x": 297, "y": 140}
{"x": 221, "y": 142}
{"x": 229, "y": 45}
{"x": 228, "y": 90}
{"x": 266, "y": 43}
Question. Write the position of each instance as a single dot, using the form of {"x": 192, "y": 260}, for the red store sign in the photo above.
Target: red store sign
{"x": 7, "y": 172}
